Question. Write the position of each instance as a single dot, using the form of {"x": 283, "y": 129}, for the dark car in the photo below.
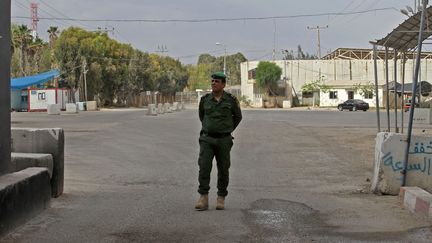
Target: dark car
{"x": 353, "y": 105}
{"x": 407, "y": 106}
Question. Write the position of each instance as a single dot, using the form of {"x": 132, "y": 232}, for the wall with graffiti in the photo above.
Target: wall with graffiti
{"x": 389, "y": 163}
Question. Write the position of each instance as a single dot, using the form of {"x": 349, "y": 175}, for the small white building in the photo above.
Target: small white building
{"x": 342, "y": 90}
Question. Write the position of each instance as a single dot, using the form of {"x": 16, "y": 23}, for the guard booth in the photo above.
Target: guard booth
{"x": 31, "y": 93}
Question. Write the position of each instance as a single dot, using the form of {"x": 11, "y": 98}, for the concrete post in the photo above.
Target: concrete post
{"x": 5, "y": 55}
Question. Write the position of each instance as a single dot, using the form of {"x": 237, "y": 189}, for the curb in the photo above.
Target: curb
{"x": 416, "y": 200}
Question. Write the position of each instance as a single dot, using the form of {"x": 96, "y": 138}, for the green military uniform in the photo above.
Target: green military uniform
{"x": 219, "y": 119}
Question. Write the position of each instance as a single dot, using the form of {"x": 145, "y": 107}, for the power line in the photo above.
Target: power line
{"x": 212, "y": 20}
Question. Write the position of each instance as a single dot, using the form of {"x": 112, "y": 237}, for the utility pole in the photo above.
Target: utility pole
{"x": 5, "y": 58}
{"x": 318, "y": 28}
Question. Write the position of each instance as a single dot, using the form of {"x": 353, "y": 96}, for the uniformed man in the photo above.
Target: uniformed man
{"x": 220, "y": 114}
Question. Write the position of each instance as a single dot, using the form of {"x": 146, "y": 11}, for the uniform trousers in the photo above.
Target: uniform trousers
{"x": 219, "y": 148}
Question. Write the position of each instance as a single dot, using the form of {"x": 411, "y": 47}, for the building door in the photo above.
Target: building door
{"x": 350, "y": 95}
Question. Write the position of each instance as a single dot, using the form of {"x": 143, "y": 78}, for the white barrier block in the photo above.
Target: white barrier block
{"x": 168, "y": 108}
{"x": 152, "y": 110}
{"x": 53, "y": 109}
{"x": 161, "y": 109}
{"x": 176, "y": 106}
{"x": 182, "y": 106}
{"x": 82, "y": 106}
{"x": 91, "y": 105}
{"x": 422, "y": 116}
{"x": 71, "y": 108}
{"x": 286, "y": 104}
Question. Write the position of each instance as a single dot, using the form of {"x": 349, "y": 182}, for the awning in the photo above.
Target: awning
{"x": 405, "y": 36}
{"x": 24, "y": 82}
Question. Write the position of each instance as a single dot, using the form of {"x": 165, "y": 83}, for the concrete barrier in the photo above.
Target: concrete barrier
{"x": 91, "y": 105}
{"x": 168, "y": 108}
{"x": 23, "y": 195}
{"x": 183, "y": 106}
{"x": 152, "y": 110}
{"x": 82, "y": 106}
{"x": 422, "y": 116}
{"x": 389, "y": 163}
{"x": 71, "y": 108}
{"x": 160, "y": 109}
{"x": 176, "y": 106}
{"x": 21, "y": 161}
{"x": 53, "y": 109}
{"x": 286, "y": 104}
{"x": 47, "y": 141}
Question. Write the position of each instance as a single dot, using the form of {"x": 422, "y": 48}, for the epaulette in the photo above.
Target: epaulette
{"x": 205, "y": 96}
{"x": 232, "y": 96}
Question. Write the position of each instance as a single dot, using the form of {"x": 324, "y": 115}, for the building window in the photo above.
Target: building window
{"x": 333, "y": 95}
{"x": 252, "y": 74}
{"x": 368, "y": 95}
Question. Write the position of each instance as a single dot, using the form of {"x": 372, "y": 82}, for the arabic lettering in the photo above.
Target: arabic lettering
{"x": 423, "y": 167}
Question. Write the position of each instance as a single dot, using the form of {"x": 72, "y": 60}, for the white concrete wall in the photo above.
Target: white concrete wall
{"x": 300, "y": 72}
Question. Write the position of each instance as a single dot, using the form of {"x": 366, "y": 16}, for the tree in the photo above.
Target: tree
{"x": 21, "y": 39}
{"x": 267, "y": 75}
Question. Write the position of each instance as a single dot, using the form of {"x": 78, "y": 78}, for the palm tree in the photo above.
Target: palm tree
{"x": 21, "y": 39}
{"x": 34, "y": 50}
{"x": 53, "y": 31}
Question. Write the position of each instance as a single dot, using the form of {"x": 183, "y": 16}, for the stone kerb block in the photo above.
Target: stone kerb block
{"x": 91, "y": 105}
{"x": 71, "y": 108}
{"x": 422, "y": 116}
{"x": 416, "y": 200}
{"x": 152, "y": 110}
{"x": 21, "y": 161}
{"x": 53, "y": 109}
{"x": 23, "y": 195}
{"x": 160, "y": 108}
{"x": 168, "y": 108}
{"x": 47, "y": 141}
{"x": 389, "y": 163}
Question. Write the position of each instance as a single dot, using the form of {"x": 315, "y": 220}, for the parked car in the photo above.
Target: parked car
{"x": 353, "y": 105}
{"x": 407, "y": 105}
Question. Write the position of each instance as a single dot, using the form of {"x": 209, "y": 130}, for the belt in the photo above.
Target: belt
{"x": 218, "y": 135}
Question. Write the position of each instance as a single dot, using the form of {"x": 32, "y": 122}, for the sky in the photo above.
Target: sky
{"x": 261, "y": 26}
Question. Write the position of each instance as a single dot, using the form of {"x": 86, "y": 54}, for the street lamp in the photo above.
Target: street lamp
{"x": 224, "y": 46}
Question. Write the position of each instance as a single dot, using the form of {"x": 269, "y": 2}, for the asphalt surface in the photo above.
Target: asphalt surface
{"x": 296, "y": 176}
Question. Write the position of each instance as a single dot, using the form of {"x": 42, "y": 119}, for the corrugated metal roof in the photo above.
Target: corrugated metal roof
{"x": 405, "y": 36}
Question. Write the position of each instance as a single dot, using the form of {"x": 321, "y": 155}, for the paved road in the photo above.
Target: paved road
{"x": 297, "y": 176}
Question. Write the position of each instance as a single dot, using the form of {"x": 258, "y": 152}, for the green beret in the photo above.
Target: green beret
{"x": 218, "y": 75}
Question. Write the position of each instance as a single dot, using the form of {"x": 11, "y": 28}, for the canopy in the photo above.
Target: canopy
{"x": 405, "y": 36}
{"x": 24, "y": 82}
